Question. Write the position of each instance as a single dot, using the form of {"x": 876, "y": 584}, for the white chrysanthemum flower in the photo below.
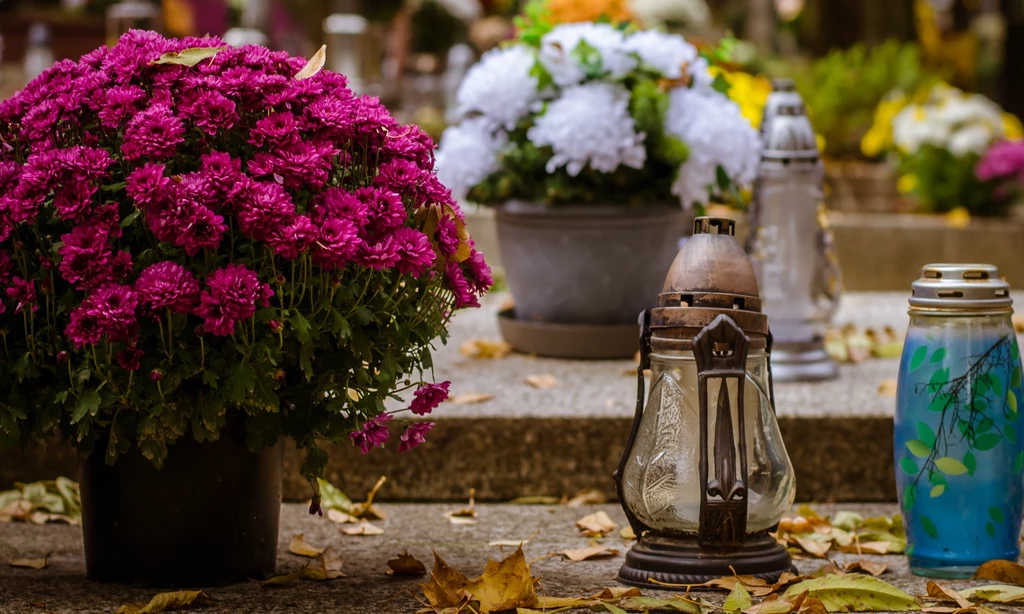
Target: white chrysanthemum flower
{"x": 590, "y": 124}
{"x": 717, "y": 135}
{"x": 914, "y": 126}
{"x": 468, "y": 153}
{"x": 559, "y": 55}
{"x": 974, "y": 138}
{"x": 500, "y": 86}
{"x": 660, "y": 13}
{"x": 669, "y": 54}
{"x": 950, "y": 119}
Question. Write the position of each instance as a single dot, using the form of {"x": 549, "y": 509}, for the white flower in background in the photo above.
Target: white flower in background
{"x": 590, "y": 124}
{"x": 950, "y": 119}
{"x": 468, "y": 153}
{"x": 670, "y": 54}
{"x": 718, "y": 135}
{"x": 560, "y": 52}
{"x": 660, "y": 13}
{"x": 500, "y": 86}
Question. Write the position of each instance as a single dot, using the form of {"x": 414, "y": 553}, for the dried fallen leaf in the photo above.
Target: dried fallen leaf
{"x": 854, "y": 593}
{"x": 818, "y": 548}
{"x": 1018, "y": 322}
{"x": 326, "y": 566}
{"x": 406, "y": 564}
{"x": 1001, "y": 571}
{"x": 598, "y": 524}
{"x": 887, "y": 388}
{"x": 542, "y": 381}
{"x": 314, "y": 65}
{"x": 485, "y": 348}
{"x": 944, "y": 593}
{"x": 871, "y": 567}
{"x": 339, "y": 517}
{"x": 363, "y": 528}
{"x": 589, "y": 496}
{"x": 590, "y": 552}
{"x": 466, "y": 514}
{"x": 366, "y": 509}
{"x": 470, "y": 398}
{"x": 188, "y": 57}
{"x": 29, "y": 563}
{"x": 167, "y": 601}
{"x": 536, "y": 500}
{"x": 460, "y": 520}
{"x": 504, "y": 585}
{"x": 627, "y": 533}
{"x": 300, "y": 547}
{"x": 738, "y": 600}
{"x": 995, "y": 593}
{"x": 514, "y": 543}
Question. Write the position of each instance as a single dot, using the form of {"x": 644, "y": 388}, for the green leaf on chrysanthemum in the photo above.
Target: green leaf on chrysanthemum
{"x": 188, "y": 57}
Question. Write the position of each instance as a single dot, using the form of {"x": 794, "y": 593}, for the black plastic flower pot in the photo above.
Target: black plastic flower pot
{"x": 208, "y": 517}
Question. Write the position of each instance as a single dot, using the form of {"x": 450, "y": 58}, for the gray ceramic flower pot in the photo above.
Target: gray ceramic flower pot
{"x": 588, "y": 265}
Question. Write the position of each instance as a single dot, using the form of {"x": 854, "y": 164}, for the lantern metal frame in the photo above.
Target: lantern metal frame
{"x": 721, "y": 546}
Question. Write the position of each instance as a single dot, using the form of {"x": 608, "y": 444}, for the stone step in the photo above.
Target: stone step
{"x": 527, "y": 441}
{"x": 876, "y": 251}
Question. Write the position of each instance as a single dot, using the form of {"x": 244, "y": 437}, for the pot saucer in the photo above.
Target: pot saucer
{"x": 577, "y": 341}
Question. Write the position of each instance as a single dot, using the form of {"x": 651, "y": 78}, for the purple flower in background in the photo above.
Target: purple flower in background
{"x": 380, "y": 255}
{"x": 1003, "y": 160}
{"x": 23, "y": 292}
{"x": 167, "y": 285}
{"x": 414, "y": 435}
{"x": 464, "y": 296}
{"x": 337, "y": 245}
{"x": 415, "y": 254}
{"x": 427, "y": 397}
{"x": 128, "y": 359}
{"x": 373, "y": 434}
{"x": 153, "y": 133}
{"x": 479, "y": 278}
{"x": 447, "y": 236}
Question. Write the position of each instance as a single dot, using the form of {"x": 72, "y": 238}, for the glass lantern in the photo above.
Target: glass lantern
{"x": 705, "y": 475}
{"x": 131, "y": 15}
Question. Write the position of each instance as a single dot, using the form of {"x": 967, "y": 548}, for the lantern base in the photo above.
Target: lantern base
{"x": 805, "y": 362}
{"x": 682, "y": 561}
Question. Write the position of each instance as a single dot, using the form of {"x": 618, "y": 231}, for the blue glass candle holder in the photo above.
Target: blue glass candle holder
{"x": 959, "y": 437}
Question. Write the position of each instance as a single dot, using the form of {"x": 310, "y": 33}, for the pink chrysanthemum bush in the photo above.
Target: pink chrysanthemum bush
{"x": 190, "y": 230}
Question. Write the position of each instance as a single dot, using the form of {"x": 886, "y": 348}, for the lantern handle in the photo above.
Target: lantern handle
{"x": 645, "y": 363}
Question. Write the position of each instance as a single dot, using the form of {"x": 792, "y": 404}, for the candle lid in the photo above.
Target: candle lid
{"x": 959, "y": 287}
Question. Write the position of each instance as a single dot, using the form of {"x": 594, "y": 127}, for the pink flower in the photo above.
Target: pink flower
{"x": 447, "y": 236}
{"x": 167, "y": 285}
{"x": 337, "y": 245}
{"x": 479, "y": 273}
{"x": 262, "y": 207}
{"x": 428, "y": 397}
{"x": 120, "y": 102}
{"x": 1003, "y": 159}
{"x": 23, "y": 292}
{"x": 154, "y": 133}
{"x": 300, "y": 164}
{"x": 337, "y": 203}
{"x": 128, "y": 359}
{"x": 373, "y": 434}
{"x": 294, "y": 238}
{"x": 109, "y": 312}
{"x": 414, "y": 435}
{"x": 457, "y": 283}
{"x": 234, "y": 292}
{"x": 147, "y": 184}
{"x": 386, "y": 209}
{"x": 275, "y": 130}
{"x": 380, "y": 255}
{"x": 212, "y": 111}
{"x": 415, "y": 254}
{"x": 156, "y": 375}
{"x": 86, "y": 259}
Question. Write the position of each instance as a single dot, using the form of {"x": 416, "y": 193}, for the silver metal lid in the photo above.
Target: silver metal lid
{"x": 961, "y": 287}
{"x": 789, "y": 135}
{"x": 783, "y": 94}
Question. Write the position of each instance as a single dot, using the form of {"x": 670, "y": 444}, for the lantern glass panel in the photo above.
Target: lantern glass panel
{"x": 661, "y": 480}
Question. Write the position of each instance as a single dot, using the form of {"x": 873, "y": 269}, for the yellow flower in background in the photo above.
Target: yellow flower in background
{"x": 749, "y": 91}
{"x": 572, "y": 11}
{"x": 906, "y": 184}
{"x": 1012, "y": 128}
{"x": 819, "y": 139}
{"x": 878, "y": 139}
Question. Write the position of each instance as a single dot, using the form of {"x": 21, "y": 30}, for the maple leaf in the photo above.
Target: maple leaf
{"x": 597, "y": 524}
{"x": 298, "y": 546}
{"x": 504, "y": 585}
{"x": 406, "y": 564}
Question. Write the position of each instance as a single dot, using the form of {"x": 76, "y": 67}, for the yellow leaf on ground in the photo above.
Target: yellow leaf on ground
{"x": 339, "y": 517}
{"x": 363, "y": 528}
{"x": 466, "y": 514}
{"x": 1001, "y": 571}
{"x": 542, "y": 381}
{"x": 504, "y": 585}
{"x": 406, "y": 564}
{"x": 588, "y": 496}
{"x": 301, "y": 548}
{"x": 871, "y": 567}
{"x": 485, "y": 348}
{"x": 597, "y": 524}
{"x": 366, "y": 509}
{"x": 29, "y": 563}
{"x": 514, "y": 543}
{"x": 470, "y": 398}
{"x": 326, "y": 566}
{"x": 738, "y": 600}
{"x": 167, "y": 601}
{"x": 314, "y": 65}
{"x": 995, "y": 593}
{"x": 887, "y": 388}
{"x": 627, "y": 533}
{"x": 536, "y": 500}
{"x": 591, "y": 552}
{"x": 818, "y": 548}
{"x": 460, "y": 520}
{"x": 945, "y": 593}
{"x": 855, "y": 593}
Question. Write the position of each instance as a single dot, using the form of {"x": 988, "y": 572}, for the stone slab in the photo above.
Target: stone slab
{"x": 876, "y": 251}
{"x": 61, "y": 588}
{"x": 529, "y": 441}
